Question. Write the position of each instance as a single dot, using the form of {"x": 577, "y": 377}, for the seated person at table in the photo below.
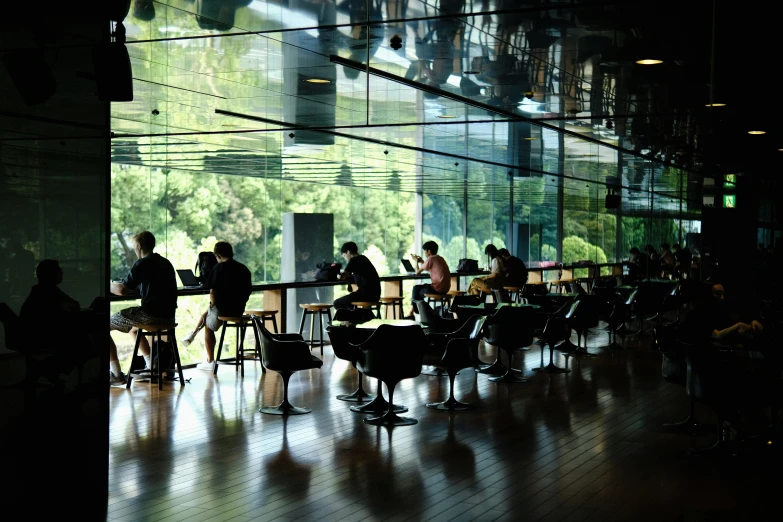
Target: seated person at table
{"x": 360, "y": 271}
{"x": 667, "y": 260}
{"x": 496, "y": 278}
{"x": 637, "y": 265}
{"x": 516, "y": 271}
{"x": 155, "y": 278}
{"x": 713, "y": 323}
{"x": 439, "y": 274}
{"x": 682, "y": 261}
{"x": 229, "y": 289}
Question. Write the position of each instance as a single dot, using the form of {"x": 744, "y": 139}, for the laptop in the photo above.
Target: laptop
{"x": 408, "y": 267}
{"x": 188, "y": 278}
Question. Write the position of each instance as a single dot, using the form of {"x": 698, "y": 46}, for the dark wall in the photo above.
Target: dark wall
{"x": 54, "y": 174}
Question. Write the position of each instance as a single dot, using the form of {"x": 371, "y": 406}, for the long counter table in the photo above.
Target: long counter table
{"x": 276, "y": 295}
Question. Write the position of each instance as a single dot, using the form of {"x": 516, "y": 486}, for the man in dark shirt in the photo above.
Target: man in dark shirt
{"x": 229, "y": 289}
{"x": 154, "y": 276}
{"x": 516, "y": 271}
{"x": 360, "y": 270}
{"x": 713, "y": 323}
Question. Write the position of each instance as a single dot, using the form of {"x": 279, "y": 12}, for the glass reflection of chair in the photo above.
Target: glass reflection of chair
{"x": 285, "y": 354}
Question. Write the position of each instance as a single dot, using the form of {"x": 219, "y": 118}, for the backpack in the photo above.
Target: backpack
{"x": 206, "y": 262}
{"x": 327, "y": 271}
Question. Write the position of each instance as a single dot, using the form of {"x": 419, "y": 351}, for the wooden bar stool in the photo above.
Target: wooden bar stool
{"x": 368, "y": 305}
{"x": 515, "y": 292}
{"x": 392, "y": 302}
{"x": 265, "y": 315}
{"x": 437, "y": 300}
{"x": 159, "y": 330}
{"x": 560, "y": 285}
{"x": 240, "y": 323}
{"x": 313, "y": 309}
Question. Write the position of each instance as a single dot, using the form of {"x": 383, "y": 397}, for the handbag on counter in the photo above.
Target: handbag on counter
{"x": 327, "y": 271}
{"x": 468, "y": 265}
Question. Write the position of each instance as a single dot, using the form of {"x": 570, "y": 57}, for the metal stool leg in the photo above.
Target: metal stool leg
{"x": 274, "y": 325}
{"x": 312, "y": 327}
{"x": 220, "y": 348}
{"x": 177, "y": 360}
{"x": 302, "y": 323}
{"x": 156, "y": 347}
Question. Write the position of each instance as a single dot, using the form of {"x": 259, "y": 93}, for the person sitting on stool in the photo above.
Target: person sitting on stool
{"x": 361, "y": 271}
{"x": 439, "y": 273}
{"x": 229, "y": 289}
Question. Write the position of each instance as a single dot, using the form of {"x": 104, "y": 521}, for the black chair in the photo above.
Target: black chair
{"x": 555, "y": 331}
{"x": 674, "y": 368}
{"x": 615, "y": 323}
{"x": 344, "y": 340}
{"x": 434, "y": 322}
{"x": 285, "y": 354}
{"x": 391, "y": 354}
{"x": 582, "y": 317}
{"x": 461, "y": 352}
{"x": 463, "y": 300}
{"x": 509, "y": 329}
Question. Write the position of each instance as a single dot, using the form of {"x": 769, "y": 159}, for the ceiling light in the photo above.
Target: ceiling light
{"x": 715, "y": 105}
{"x": 529, "y": 139}
{"x": 649, "y": 61}
{"x": 757, "y": 132}
{"x": 318, "y": 80}
{"x": 446, "y": 116}
{"x": 589, "y": 155}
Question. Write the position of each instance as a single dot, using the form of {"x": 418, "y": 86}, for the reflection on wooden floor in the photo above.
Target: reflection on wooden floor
{"x": 582, "y": 446}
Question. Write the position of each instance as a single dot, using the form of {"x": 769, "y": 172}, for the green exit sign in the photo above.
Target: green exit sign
{"x": 729, "y": 181}
{"x": 729, "y": 201}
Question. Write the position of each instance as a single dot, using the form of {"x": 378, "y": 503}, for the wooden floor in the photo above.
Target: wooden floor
{"x": 583, "y": 446}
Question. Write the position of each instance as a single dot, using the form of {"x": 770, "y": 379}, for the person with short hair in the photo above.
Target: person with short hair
{"x": 229, "y": 284}
{"x": 496, "y": 277}
{"x": 155, "y": 278}
{"x": 439, "y": 274}
{"x": 360, "y": 271}
{"x": 516, "y": 270}
{"x": 637, "y": 265}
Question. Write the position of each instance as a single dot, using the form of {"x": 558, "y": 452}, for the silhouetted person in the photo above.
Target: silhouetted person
{"x": 155, "y": 278}
{"x": 516, "y": 271}
{"x": 361, "y": 271}
{"x": 229, "y": 289}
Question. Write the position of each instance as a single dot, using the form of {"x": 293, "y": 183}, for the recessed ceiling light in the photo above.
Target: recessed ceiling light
{"x": 781, "y": 150}
{"x": 318, "y": 80}
{"x": 589, "y": 155}
{"x": 649, "y": 61}
{"x": 715, "y": 105}
{"x": 529, "y": 139}
{"x": 446, "y": 116}
{"x": 757, "y": 132}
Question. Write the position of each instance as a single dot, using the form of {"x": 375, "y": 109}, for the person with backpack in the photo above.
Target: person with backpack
{"x": 516, "y": 270}
{"x": 229, "y": 289}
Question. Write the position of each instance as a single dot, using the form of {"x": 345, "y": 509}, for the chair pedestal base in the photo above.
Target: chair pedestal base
{"x": 496, "y": 368}
{"x": 567, "y": 346}
{"x": 551, "y": 368}
{"x": 451, "y": 404}
{"x": 581, "y": 352}
{"x": 433, "y": 371}
{"x": 358, "y": 396}
{"x": 391, "y": 419}
{"x": 510, "y": 376}
{"x": 378, "y": 405}
{"x": 285, "y": 408}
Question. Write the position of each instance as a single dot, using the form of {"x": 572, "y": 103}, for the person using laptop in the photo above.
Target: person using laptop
{"x": 361, "y": 271}
{"x": 439, "y": 274}
{"x": 229, "y": 289}
{"x": 156, "y": 281}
